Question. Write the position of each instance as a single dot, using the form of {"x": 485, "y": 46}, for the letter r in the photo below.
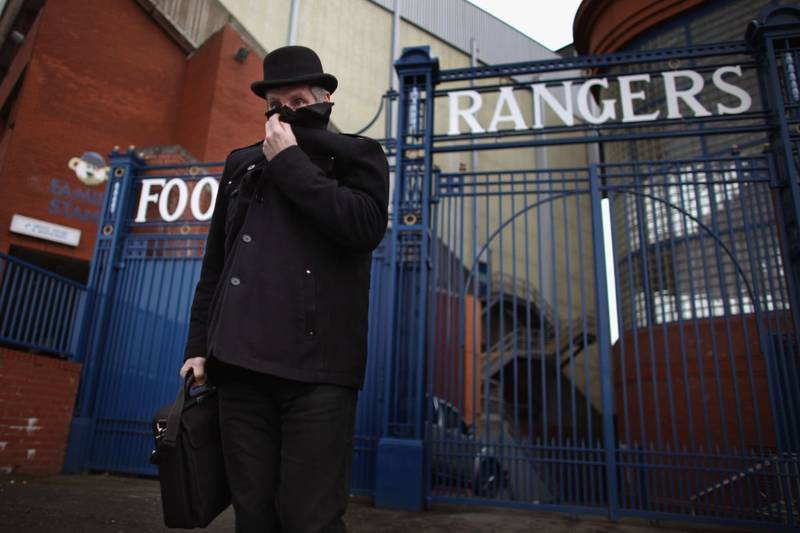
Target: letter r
{"x": 467, "y": 114}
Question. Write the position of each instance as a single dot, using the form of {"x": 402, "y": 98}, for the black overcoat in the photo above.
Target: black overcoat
{"x": 285, "y": 277}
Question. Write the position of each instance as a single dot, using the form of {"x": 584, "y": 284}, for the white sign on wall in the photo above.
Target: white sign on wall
{"x": 45, "y": 230}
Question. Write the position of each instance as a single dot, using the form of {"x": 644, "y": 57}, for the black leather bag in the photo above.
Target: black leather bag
{"x": 188, "y": 454}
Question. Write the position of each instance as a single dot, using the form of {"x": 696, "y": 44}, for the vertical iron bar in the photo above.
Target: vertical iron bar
{"x": 604, "y": 345}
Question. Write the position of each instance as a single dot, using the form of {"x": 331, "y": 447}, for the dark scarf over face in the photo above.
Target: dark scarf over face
{"x": 310, "y": 116}
{"x": 309, "y": 125}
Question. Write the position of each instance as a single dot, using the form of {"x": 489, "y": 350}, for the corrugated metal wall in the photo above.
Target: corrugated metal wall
{"x": 458, "y": 21}
{"x": 190, "y": 22}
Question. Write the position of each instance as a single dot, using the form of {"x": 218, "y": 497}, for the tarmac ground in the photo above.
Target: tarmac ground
{"x": 102, "y": 503}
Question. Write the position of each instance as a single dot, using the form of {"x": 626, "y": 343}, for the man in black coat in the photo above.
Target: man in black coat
{"x": 279, "y": 318}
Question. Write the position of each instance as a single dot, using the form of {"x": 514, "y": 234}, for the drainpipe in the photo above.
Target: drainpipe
{"x": 394, "y": 84}
{"x": 294, "y": 10}
{"x": 473, "y": 62}
{"x": 393, "y": 81}
{"x": 395, "y": 43}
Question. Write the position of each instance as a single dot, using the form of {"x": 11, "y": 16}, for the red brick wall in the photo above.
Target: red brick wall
{"x": 197, "y": 98}
{"x": 37, "y": 395}
{"x": 103, "y": 73}
{"x": 237, "y": 115}
{"x": 218, "y": 112}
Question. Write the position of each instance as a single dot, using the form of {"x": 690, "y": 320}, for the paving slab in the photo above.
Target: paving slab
{"x": 103, "y": 503}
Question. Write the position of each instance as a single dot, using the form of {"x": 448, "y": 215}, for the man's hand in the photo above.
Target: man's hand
{"x": 277, "y": 137}
{"x": 198, "y": 366}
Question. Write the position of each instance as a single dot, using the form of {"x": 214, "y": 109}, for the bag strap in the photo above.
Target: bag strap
{"x": 174, "y": 419}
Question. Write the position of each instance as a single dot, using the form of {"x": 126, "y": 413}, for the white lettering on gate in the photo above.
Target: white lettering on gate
{"x": 608, "y": 112}
{"x": 633, "y": 89}
{"x": 145, "y": 197}
{"x": 163, "y": 201}
{"x": 213, "y": 186}
{"x": 161, "y": 198}
{"x": 627, "y": 97}
{"x": 467, "y": 114}
{"x": 564, "y": 112}
{"x": 507, "y": 99}
{"x": 689, "y": 96}
{"x": 744, "y": 98}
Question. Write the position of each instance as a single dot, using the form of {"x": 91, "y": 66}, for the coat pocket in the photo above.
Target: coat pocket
{"x": 309, "y": 303}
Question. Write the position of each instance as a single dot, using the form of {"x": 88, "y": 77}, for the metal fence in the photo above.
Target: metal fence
{"x": 39, "y": 310}
{"x": 617, "y": 335}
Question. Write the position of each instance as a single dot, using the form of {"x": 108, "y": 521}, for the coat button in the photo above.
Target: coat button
{"x": 235, "y": 281}
{"x": 247, "y": 238}
{"x": 308, "y": 272}
{"x": 251, "y": 167}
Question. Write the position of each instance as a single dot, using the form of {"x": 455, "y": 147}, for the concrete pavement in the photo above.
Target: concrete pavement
{"x": 101, "y": 503}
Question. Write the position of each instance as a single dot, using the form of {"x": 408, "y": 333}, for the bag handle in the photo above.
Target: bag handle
{"x": 174, "y": 419}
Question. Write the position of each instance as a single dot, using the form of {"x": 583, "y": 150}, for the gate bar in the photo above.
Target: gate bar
{"x": 604, "y": 344}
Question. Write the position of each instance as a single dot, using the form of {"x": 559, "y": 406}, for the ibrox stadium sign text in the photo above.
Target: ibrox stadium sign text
{"x": 633, "y": 89}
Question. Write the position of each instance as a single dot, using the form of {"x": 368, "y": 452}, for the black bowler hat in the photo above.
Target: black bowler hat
{"x": 293, "y": 65}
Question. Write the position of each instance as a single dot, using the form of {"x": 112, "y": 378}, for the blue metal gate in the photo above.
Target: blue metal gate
{"x": 143, "y": 277}
{"x": 611, "y": 327}
{"x": 144, "y": 272}
{"x": 588, "y": 314}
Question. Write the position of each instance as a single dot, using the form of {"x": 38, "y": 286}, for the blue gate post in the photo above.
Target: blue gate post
{"x": 102, "y": 274}
{"x": 604, "y": 344}
{"x": 774, "y": 34}
{"x": 779, "y": 74}
{"x": 400, "y": 467}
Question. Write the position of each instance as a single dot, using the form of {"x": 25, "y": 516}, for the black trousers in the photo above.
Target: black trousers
{"x": 288, "y": 448}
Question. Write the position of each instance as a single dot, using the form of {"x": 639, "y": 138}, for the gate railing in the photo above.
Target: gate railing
{"x": 39, "y": 309}
{"x": 612, "y": 408}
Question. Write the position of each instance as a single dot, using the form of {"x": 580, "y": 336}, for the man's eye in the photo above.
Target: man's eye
{"x": 299, "y": 102}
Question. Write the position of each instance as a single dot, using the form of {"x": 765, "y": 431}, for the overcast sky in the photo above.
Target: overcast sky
{"x": 547, "y": 21}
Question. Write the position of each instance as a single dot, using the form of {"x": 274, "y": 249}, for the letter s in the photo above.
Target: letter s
{"x": 745, "y": 101}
